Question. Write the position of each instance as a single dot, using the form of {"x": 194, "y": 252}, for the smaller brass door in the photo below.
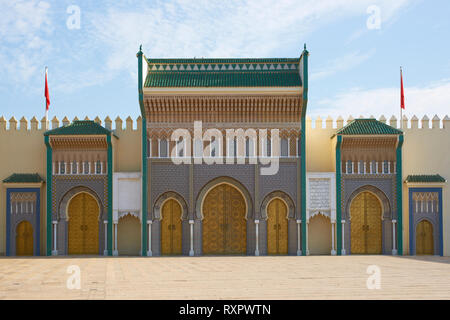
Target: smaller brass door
{"x": 424, "y": 238}
{"x": 24, "y": 239}
{"x": 277, "y": 228}
{"x": 171, "y": 235}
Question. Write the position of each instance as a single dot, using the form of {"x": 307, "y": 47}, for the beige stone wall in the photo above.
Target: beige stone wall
{"x": 425, "y": 151}
{"x": 127, "y": 149}
{"x": 23, "y": 150}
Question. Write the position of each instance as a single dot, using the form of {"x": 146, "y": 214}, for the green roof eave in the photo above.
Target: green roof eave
{"x": 24, "y": 178}
{"x": 80, "y": 127}
{"x": 423, "y": 178}
{"x": 367, "y": 127}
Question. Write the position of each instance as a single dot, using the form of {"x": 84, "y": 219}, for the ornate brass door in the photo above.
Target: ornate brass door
{"x": 83, "y": 225}
{"x": 424, "y": 238}
{"x": 366, "y": 229}
{"x": 277, "y": 228}
{"x": 171, "y": 228}
{"x": 24, "y": 239}
{"x": 224, "y": 225}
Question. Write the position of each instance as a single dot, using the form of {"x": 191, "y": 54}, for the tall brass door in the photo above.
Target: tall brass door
{"x": 224, "y": 225}
{"x": 83, "y": 225}
{"x": 424, "y": 238}
{"x": 277, "y": 228}
{"x": 366, "y": 229}
{"x": 171, "y": 228}
{"x": 24, "y": 239}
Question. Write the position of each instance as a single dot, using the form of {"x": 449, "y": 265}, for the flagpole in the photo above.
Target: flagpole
{"x": 46, "y": 110}
{"x": 401, "y": 107}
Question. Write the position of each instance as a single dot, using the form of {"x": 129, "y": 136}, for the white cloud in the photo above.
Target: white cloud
{"x": 32, "y": 35}
{"x": 340, "y": 64}
{"x": 24, "y": 27}
{"x": 206, "y": 28}
{"x": 428, "y": 100}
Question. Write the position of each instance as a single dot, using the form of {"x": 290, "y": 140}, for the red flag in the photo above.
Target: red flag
{"x": 47, "y": 95}
{"x": 402, "y": 93}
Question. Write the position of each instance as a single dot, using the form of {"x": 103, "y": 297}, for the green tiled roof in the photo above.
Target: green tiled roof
{"x": 24, "y": 178}
{"x": 80, "y": 127}
{"x": 435, "y": 178}
{"x": 368, "y": 127}
{"x": 289, "y": 78}
{"x": 263, "y": 72}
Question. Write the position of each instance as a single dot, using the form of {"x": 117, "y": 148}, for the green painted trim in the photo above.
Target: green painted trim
{"x": 144, "y": 187}
{"x": 49, "y": 196}
{"x": 144, "y": 153}
{"x": 338, "y": 196}
{"x": 304, "y": 57}
{"x": 399, "y": 196}
{"x": 110, "y": 195}
{"x": 140, "y": 82}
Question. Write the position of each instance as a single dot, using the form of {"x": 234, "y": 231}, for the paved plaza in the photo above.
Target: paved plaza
{"x": 320, "y": 277}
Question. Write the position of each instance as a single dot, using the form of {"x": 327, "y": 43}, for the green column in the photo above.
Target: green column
{"x": 110, "y": 196}
{"x": 144, "y": 187}
{"x": 338, "y": 196}
{"x": 399, "y": 196}
{"x": 305, "y": 55}
{"x": 49, "y": 196}
{"x": 140, "y": 57}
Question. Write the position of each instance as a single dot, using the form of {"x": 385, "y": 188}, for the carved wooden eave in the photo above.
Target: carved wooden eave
{"x": 369, "y": 142}
{"x": 78, "y": 142}
{"x": 223, "y": 108}
{"x": 291, "y": 131}
{"x": 368, "y": 148}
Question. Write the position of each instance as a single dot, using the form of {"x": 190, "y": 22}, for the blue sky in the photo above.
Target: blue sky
{"x": 354, "y": 69}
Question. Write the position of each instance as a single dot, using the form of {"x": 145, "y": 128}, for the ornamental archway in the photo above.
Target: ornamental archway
{"x": 129, "y": 235}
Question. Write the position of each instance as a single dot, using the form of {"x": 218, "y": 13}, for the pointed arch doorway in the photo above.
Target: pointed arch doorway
{"x": 277, "y": 228}
{"x": 24, "y": 239}
{"x": 171, "y": 230}
{"x": 424, "y": 238}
